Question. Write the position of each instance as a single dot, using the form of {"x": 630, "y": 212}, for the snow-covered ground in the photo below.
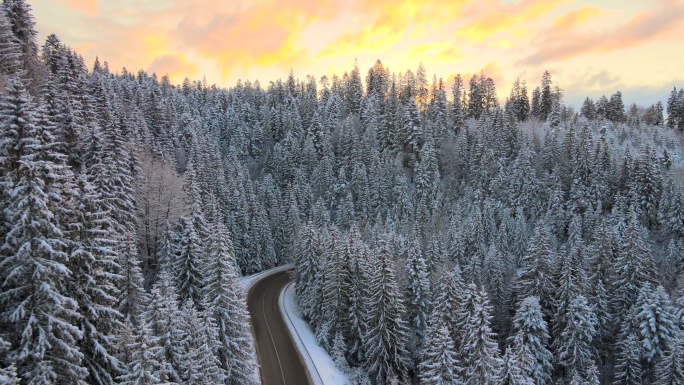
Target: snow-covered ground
{"x": 321, "y": 366}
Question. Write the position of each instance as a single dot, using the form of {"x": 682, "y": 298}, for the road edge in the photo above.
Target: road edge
{"x": 299, "y": 343}
{"x": 332, "y": 375}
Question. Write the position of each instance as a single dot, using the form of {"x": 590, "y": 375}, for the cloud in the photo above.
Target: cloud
{"x": 600, "y": 80}
{"x": 572, "y": 19}
{"x": 485, "y": 19}
{"x": 559, "y": 43}
{"x": 88, "y": 7}
{"x": 177, "y": 67}
{"x": 259, "y": 33}
{"x": 437, "y": 51}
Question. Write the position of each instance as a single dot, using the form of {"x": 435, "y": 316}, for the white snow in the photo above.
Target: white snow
{"x": 249, "y": 280}
{"x": 320, "y": 365}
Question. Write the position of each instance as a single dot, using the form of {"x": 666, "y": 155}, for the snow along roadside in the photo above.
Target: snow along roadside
{"x": 321, "y": 367}
{"x": 249, "y": 280}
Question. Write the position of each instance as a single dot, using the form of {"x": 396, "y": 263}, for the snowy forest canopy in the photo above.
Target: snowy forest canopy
{"x": 438, "y": 236}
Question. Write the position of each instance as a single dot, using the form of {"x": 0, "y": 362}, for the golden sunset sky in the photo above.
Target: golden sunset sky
{"x": 590, "y": 47}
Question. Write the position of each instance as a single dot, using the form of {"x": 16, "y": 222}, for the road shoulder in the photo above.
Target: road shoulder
{"x": 320, "y": 365}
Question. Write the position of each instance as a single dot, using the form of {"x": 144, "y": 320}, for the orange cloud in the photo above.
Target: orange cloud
{"x": 262, "y": 33}
{"x": 434, "y": 52}
{"x": 485, "y": 19}
{"x": 558, "y": 43}
{"x": 574, "y": 18}
{"x": 176, "y": 66}
{"x": 89, "y": 7}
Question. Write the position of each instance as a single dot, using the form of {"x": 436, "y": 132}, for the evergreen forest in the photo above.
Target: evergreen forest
{"x": 439, "y": 235}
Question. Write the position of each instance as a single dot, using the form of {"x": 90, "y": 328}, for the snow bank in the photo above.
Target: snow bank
{"x": 249, "y": 280}
{"x": 321, "y": 367}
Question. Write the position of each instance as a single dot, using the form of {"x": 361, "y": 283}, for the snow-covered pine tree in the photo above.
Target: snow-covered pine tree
{"x": 419, "y": 296}
{"x": 517, "y": 364}
{"x": 162, "y": 317}
{"x": 226, "y": 302}
{"x": 200, "y": 363}
{"x": 38, "y": 312}
{"x": 144, "y": 367}
{"x": 628, "y": 364}
{"x": 8, "y": 374}
{"x": 482, "y": 361}
{"x": 188, "y": 266}
{"x": 93, "y": 283}
{"x": 335, "y": 289}
{"x": 670, "y": 368}
{"x": 635, "y": 267}
{"x": 307, "y": 257}
{"x": 10, "y": 51}
{"x": 535, "y": 275}
{"x": 385, "y": 342}
{"x": 438, "y": 363}
{"x": 529, "y": 324}
{"x": 658, "y": 327}
{"x": 575, "y": 352}
{"x": 358, "y": 296}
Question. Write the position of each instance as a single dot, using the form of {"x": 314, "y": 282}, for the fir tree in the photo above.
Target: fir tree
{"x": 531, "y": 331}
{"x": 387, "y": 334}
{"x": 438, "y": 363}
{"x": 37, "y": 309}
{"x": 575, "y": 351}
{"x": 144, "y": 365}
{"x": 226, "y": 302}
{"x": 482, "y": 362}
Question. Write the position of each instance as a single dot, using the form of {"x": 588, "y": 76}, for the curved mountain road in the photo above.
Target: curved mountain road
{"x": 280, "y": 361}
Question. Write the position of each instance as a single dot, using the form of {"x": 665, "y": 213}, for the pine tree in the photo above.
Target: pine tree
{"x": 546, "y": 97}
{"x": 144, "y": 365}
{"x": 575, "y": 351}
{"x": 387, "y": 335}
{"x": 458, "y": 110}
{"x": 634, "y": 268}
{"x": 438, "y": 363}
{"x": 588, "y": 109}
{"x": 227, "y": 305}
{"x": 8, "y": 374}
{"x": 670, "y": 369}
{"x": 482, "y": 362}
{"x": 307, "y": 266}
{"x": 95, "y": 274}
{"x": 354, "y": 90}
{"x": 201, "y": 365}
{"x": 188, "y": 264}
{"x": 419, "y": 288}
{"x": 654, "y": 316}
{"x": 38, "y": 313}
{"x": 447, "y": 299}
{"x": 163, "y": 318}
{"x": 19, "y": 14}
{"x": 10, "y": 51}
{"x": 534, "y": 278}
{"x": 517, "y": 364}
{"x": 628, "y": 367}
{"x": 335, "y": 290}
{"x": 358, "y": 296}
{"x": 530, "y": 328}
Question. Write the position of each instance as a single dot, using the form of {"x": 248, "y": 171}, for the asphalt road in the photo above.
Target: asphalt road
{"x": 280, "y": 362}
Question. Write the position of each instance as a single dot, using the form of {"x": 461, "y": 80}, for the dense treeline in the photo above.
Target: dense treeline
{"x": 435, "y": 238}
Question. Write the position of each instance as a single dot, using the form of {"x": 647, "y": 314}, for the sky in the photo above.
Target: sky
{"x": 591, "y": 48}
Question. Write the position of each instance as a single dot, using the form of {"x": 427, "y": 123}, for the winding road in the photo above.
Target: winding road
{"x": 280, "y": 362}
